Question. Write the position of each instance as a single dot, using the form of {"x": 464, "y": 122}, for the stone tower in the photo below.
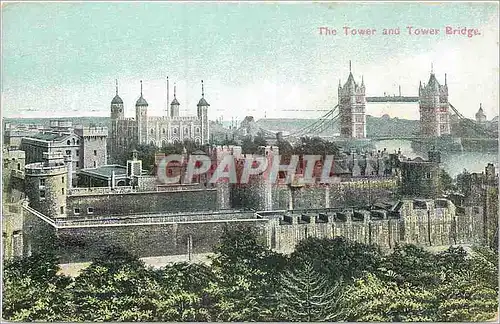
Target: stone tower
{"x": 352, "y": 105}
{"x": 434, "y": 108}
{"x": 174, "y": 106}
{"x": 141, "y": 116}
{"x": 47, "y": 184}
{"x": 203, "y": 116}
{"x": 117, "y": 106}
{"x": 117, "y": 112}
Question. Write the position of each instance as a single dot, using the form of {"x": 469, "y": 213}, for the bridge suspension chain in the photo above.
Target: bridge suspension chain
{"x": 472, "y": 124}
{"x": 314, "y": 125}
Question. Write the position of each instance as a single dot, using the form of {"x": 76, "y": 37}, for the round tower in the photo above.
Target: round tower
{"x": 47, "y": 184}
{"x": 203, "y": 116}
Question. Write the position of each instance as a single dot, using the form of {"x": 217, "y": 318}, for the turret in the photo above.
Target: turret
{"x": 480, "y": 116}
{"x": 203, "y": 116}
{"x": 174, "y": 106}
{"x": 352, "y": 102}
{"x": 141, "y": 116}
{"x": 117, "y": 111}
{"x": 434, "y": 108}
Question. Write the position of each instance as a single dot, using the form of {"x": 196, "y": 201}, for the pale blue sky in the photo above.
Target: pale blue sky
{"x": 61, "y": 59}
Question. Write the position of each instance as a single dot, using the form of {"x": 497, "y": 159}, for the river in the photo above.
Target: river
{"x": 454, "y": 163}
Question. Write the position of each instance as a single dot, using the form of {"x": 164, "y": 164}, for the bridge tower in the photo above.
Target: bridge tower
{"x": 434, "y": 108}
{"x": 352, "y": 107}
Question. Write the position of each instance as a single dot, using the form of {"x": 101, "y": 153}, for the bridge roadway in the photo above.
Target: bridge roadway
{"x": 392, "y": 99}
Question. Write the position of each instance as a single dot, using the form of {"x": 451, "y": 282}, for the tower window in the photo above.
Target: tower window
{"x": 61, "y": 209}
{"x": 163, "y": 131}
{"x": 95, "y": 164}
{"x": 197, "y": 130}
{"x": 62, "y": 179}
{"x": 68, "y": 152}
{"x": 90, "y": 210}
{"x": 62, "y": 191}
{"x": 152, "y": 131}
{"x": 77, "y": 211}
{"x": 77, "y": 152}
{"x": 68, "y": 142}
{"x": 19, "y": 166}
{"x": 42, "y": 182}
{"x": 95, "y": 152}
{"x": 42, "y": 194}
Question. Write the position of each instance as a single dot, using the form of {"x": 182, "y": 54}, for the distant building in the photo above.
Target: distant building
{"x": 352, "y": 107}
{"x": 480, "y": 116}
{"x": 85, "y": 146}
{"x": 421, "y": 178}
{"x": 434, "y": 108}
{"x": 127, "y": 133}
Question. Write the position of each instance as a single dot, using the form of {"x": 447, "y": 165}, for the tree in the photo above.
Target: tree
{"x": 464, "y": 298}
{"x": 338, "y": 257}
{"x": 146, "y": 153}
{"x": 410, "y": 264}
{"x": 307, "y": 296}
{"x": 247, "y": 275}
{"x": 34, "y": 291}
{"x": 446, "y": 180}
{"x": 115, "y": 287}
{"x": 370, "y": 299}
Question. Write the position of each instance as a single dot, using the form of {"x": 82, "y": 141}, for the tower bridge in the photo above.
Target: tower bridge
{"x": 350, "y": 111}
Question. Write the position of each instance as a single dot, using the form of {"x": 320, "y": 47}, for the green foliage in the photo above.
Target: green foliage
{"x": 315, "y": 146}
{"x": 251, "y": 145}
{"x": 305, "y": 295}
{"x": 409, "y": 264}
{"x": 323, "y": 280}
{"x": 446, "y": 181}
{"x": 33, "y": 290}
{"x": 115, "y": 287}
{"x": 247, "y": 274}
{"x": 338, "y": 257}
{"x": 371, "y": 299}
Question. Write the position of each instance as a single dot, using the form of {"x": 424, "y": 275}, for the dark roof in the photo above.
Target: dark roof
{"x": 49, "y": 136}
{"x": 203, "y": 102}
{"x": 106, "y": 171}
{"x": 175, "y": 102}
{"x": 141, "y": 101}
{"x": 433, "y": 82}
{"x": 350, "y": 81}
{"x": 117, "y": 100}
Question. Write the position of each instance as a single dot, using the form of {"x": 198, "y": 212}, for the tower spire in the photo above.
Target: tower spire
{"x": 445, "y": 81}
{"x": 202, "y": 90}
{"x": 141, "y": 88}
{"x": 432, "y": 68}
{"x": 349, "y": 66}
{"x": 116, "y": 81}
{"x": 175, "y": 90}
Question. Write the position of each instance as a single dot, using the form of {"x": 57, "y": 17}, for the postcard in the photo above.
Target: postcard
{"x": 250, "y": 161}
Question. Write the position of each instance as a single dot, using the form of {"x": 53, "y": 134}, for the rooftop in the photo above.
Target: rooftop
{"x": 46, "y": 136}
{"x": 105, "y": 171}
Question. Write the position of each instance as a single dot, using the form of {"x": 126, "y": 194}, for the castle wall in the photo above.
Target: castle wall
{"x": 142, "y": 202}
{"x": 355, "y": 192}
